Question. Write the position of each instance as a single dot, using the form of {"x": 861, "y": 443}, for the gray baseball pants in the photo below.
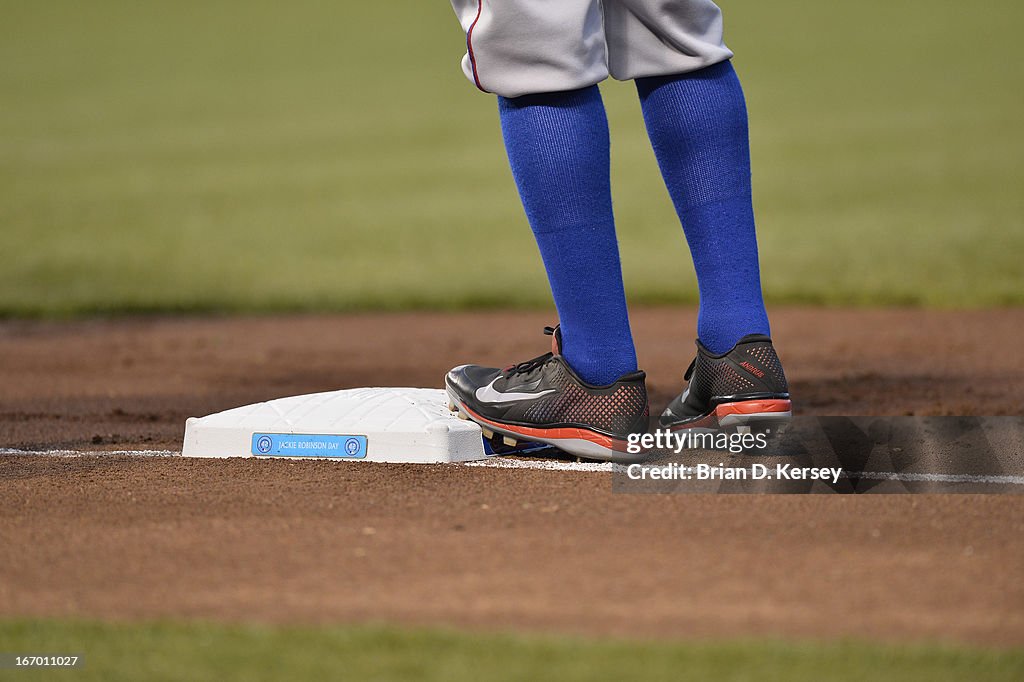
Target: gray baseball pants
{"x": 522, "y": 47}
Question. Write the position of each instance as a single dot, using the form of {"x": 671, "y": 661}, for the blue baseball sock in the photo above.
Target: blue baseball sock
{"x": 697, "y": 123}
{"x": 558, "y": 148}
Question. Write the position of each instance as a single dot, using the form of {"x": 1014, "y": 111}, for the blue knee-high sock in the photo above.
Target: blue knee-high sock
{"x": 697, "y": 123}
{"x": 558, "y": 148}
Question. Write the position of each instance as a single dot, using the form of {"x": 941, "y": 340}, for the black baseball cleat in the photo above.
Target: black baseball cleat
{"x": 743, "y": 387}
{"x": 544, "y": 401}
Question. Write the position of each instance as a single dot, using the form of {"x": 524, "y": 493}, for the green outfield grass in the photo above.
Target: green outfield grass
{"x": 217, "y": 652}
{"x": 263, "y": 155}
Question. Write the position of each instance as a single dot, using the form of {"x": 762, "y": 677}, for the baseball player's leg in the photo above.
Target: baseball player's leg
{"x": 696, "y": 118}
{"x": 558, "y": 148}
{"x": 697, "y": 123}
{"x": 544, "y": 59}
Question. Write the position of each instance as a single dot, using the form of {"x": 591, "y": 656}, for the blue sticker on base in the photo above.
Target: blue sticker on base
{"x": 308, "y": 445}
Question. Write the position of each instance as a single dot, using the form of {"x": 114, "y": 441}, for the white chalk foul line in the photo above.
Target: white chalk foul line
{"x": 548, "y": 465}
{"x": 87, "y": 453}
{"x": 606, "y": 467}
{"x": 938, "y": 478}
{"x": 585, "y": 467}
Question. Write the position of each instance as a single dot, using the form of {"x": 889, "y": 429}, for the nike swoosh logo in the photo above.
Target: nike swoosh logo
{"x": 488, "y": 394}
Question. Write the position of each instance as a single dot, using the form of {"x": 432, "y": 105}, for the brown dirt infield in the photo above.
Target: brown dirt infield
{"x": 131, "y": 537}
